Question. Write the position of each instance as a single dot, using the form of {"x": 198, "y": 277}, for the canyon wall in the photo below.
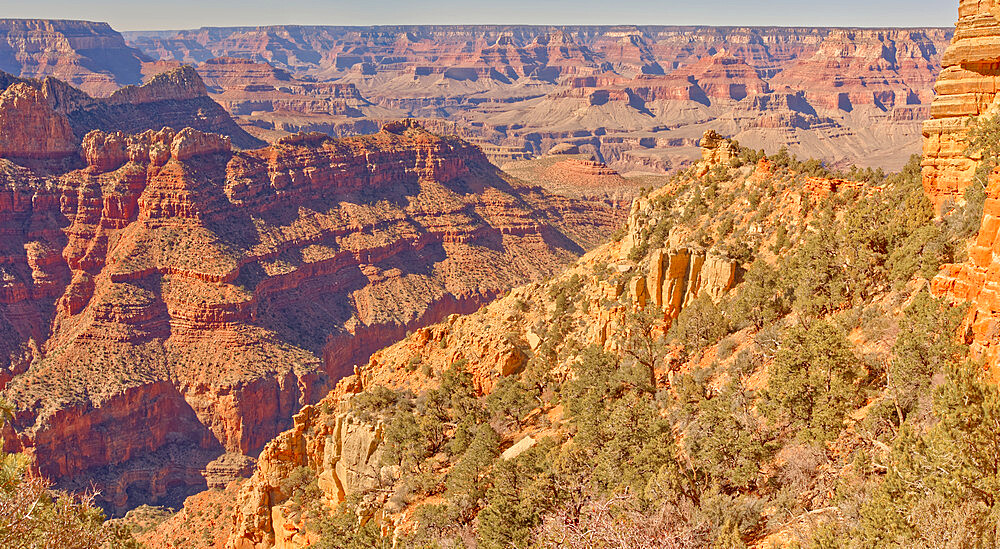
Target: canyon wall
{"x": 635, "y": 97}
{"x": 967, "y": 88}
{"x": 166, "y": 299}
{"x": 88, "y": 55}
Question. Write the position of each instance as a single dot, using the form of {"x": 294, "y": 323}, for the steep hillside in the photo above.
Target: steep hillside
{"x": 173, "y": 299}
{"x": 740, "y": 367}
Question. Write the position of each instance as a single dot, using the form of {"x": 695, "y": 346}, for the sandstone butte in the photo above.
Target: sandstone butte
{"x": 967, "y": 88}
{"x": 345, "y": 450}
{"x": 165, "y": 299}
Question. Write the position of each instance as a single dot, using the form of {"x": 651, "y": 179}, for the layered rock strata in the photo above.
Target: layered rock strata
{"x": 634, "y": 97}
{"x": 175, "y": 299}
{"x": 37, "y": 113}
{"x": 966, "y": 88}
{"x": 89, "y": 55}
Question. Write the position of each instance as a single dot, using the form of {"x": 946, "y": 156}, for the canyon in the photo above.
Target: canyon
{"x": 636, "y": 98}
{"x": 169, "y": 302}
{"x": 550, "y": 325}
{"x": 49, "y": 118}
{"x": 218, "y": 244}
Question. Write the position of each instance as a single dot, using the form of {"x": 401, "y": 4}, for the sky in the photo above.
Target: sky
{"x": 127, "y": 15}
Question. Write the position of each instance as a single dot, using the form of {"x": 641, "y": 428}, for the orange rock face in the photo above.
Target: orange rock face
{"x": 965, "y": 88}
{"x": 853, "y": 68}
{"x": 978, "y": 282}
{"x": 723, "y": 76}
{"x": 174, "y": 299}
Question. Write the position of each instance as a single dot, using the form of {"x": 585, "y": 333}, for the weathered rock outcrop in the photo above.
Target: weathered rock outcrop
{"x": 255, "y": 89}
{"x": 715, "y": 149}
{"x": 679, "y": 276}
{"x": 343, "y": 451}
{"x": 965, "y": 88}
{"x": 174, "y": 299}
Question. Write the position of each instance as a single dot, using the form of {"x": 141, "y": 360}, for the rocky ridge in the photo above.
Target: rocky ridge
{"x": 637, "y": 275}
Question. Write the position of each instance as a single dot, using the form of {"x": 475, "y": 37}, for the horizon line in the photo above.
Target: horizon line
{"x": 520, "y": 25}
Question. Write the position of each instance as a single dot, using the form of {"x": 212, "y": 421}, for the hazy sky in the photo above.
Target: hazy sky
{"x": 178, "y": 14}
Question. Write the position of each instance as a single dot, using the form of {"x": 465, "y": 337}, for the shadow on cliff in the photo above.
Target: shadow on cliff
{"x": 305, "y": 311}
{"x": 167, "y": 466}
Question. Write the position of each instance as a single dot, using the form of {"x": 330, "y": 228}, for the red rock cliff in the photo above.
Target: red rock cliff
{"x": 174, "y": 299}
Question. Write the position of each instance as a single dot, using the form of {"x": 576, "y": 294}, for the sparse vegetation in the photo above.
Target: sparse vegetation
{"x": 825, "y": 397}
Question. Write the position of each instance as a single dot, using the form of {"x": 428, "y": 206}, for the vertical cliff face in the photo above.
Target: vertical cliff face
{"x": 966, "y": 87}
{"x": 89, "y": 55}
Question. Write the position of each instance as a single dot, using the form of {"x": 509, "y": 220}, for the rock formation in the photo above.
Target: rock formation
{"x": 176, "y": 98}
{"x": 88, "y": 55}
{"x": 577, "y": 176}
{"x": 633, "y": 97}
{"x": 679, "y": 276}
{"x": 966, "y": 89}
{"x": 715, "y": 149}
{"x": 174, "y": 299}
